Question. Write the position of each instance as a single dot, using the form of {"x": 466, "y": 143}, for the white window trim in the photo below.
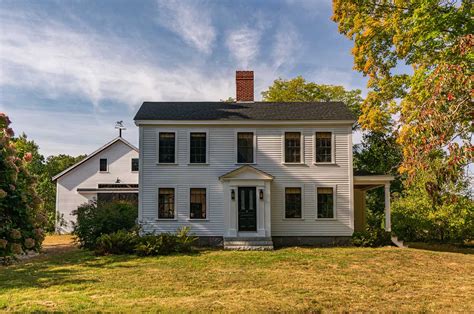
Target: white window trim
{"x": 175, "y": 146}
{"x": 302, "y": 162}
{"x": 107, "y": 163}
{"x": 254, "y": 131}
{"x": 301, "y": 186}
{"x": 188, "y": 206}
{"x": 334, "y": 204}
{"x": 189, "y": 147}
{"x": 131, "y": 159}
{"x": 333, "y": 147}
{"x": 167, "y": 186}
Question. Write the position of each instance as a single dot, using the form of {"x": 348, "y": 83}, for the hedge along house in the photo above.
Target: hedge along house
{"x": 251, "y": 174}
{"x": 109, "y": 173}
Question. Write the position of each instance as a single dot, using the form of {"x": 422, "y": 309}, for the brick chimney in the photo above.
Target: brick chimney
{"x": 244, "y": 85}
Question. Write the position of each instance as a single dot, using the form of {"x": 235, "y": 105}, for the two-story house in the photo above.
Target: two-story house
{"x": 250, "y": 173}
{"x": 109, "y": 173}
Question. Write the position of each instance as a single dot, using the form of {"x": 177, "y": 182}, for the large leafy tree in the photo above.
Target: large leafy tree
{"x": 299, "y": 90}
{"x": 433, "y": 103}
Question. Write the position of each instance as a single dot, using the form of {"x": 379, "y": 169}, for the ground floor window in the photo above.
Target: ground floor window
{"x": 325, "y": 205}
{"x": 197, "y": 204}
{"x": 293, "y": 202}
{"x": 166, "y": 208}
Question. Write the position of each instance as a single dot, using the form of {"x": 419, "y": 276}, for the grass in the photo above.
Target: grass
{"x": 292, "y": 279}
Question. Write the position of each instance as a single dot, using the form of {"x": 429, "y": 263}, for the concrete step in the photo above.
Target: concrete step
{"x": 249, "y": 247}
{"x": 248, "y": 243}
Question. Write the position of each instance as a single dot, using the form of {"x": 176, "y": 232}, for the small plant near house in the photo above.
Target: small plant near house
{"x": 95, "y": 220}
{"x": 120, "y": 242}
{"x": 374, "y": 234}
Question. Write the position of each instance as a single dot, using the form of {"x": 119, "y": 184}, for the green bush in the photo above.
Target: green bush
{"x": 152, "y": 245}
{"x": 120, "y": 242}
{"x": 416, "y": 219}
{"x": 95, "y": 220}
{"x": 374, "y": 234}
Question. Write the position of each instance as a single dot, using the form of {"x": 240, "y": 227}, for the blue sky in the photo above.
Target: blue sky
{"x": 70, "y": 69}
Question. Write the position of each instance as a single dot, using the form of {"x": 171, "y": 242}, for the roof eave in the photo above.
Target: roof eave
{"x": 139, "y": 122}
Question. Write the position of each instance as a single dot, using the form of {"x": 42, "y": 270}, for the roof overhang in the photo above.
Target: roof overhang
{"x": 246, "y": 172}
{"x": 245, "y": 122}
{"x": 115, "y": 140}
{"x": 111, "y": 190}
{"x": 370, "y": 182}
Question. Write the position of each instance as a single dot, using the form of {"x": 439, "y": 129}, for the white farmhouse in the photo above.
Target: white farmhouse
{"x": 109, "y": 173}
{"x": 251, "y": 174}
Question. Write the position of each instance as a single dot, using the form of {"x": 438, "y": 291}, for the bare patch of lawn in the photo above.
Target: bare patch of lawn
{"x": 291, "y": 279}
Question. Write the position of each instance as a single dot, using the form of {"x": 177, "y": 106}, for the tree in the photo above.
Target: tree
{"x": 298, "y": 89}
{"x": 21, "y": 219}
{"x": 434, "y": 103}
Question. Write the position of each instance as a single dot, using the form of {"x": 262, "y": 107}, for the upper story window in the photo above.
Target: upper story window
{"x": 167, "y": 147}
{"x": 293, "y": 202}
{"x": 166, "y": 203}
{"x": 103, "y": 165}
{"x": 135, "y": 164}
{"x": 323, "y": 151}
{"x": 293, "y": 147}
{"x": 245, "y": 147}
{"x": 197, "y": 147}
{"x": 325, "y": 202}
{"x": 197, "y": 203}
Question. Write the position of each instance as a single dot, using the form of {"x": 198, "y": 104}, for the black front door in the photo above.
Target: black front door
{"x": 247, "y": 209}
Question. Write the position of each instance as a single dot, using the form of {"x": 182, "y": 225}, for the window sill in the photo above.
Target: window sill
{"x": 326, "y": 219}
{"x": 166, "y": 219}
{"x": 197, "y": 219}
{"x": 104, "y": 171}
{"x": 245, "y": 163}
{"x": 294, "y": 219}
{"x": 166, "y": 163}
{"x": 324, "y": 163}
{"x": 198, "y": 164}
{"x": 135, "y": 171}
{"x": 294, "y": 164}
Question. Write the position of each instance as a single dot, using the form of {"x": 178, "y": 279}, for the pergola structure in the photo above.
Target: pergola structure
{"x": 362, "y": 184}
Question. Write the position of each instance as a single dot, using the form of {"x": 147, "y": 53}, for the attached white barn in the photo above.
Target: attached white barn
{"x": 109, "y": 173}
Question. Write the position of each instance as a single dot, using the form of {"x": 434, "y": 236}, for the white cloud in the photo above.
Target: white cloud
{"x": 287, "y": 44}
{"x": 57, "y": 60}
{"x": 190, "y": 21}
{"x": 243, "y": 44}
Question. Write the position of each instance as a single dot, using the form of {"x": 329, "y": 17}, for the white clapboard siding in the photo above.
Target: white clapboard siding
{"x": 269, "y": 159}
{"x": 86, "y": 175}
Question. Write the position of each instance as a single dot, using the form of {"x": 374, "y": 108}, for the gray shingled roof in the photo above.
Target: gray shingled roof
{"x": 244, "y": 111}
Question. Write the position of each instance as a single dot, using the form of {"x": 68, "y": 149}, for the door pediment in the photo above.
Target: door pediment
{"x": 246, "y": 172}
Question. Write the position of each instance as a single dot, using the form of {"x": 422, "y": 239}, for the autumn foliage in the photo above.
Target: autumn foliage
{"x": 21, "y": 222}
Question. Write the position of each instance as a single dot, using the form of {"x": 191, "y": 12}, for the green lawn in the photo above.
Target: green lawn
{"x": 292, "y": 279}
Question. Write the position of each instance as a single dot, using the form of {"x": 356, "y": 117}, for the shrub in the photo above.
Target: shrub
{"x": 184, "y": 240}
{"x": 95, "y": 220}
{"x": 374, "y": 234}
{"x": 162, "y": 244}
{"x": 120, "y": 242}
{"x": 20, "y": 214}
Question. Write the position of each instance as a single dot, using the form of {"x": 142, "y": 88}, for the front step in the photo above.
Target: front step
{"x": 248, "y": 244}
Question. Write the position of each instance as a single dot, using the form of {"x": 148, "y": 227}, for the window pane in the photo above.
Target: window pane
{"x": 292, "y": 147}
{"x": 103, "y": 164}
{"x": 197, "y": 148}
{"x": 197, "y": 203}
{"x": 166, "y": 203}
{"x": 323, "y": 147}
{"x": 245, "y": 147}
{"x": 325, "y": 203}
{"x": 135, "y": 164}
{"x": 293, "y": 203}
{"x": 167, "y": 147}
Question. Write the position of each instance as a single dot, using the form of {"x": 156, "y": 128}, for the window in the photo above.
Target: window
{"x": 325, "y": 202}
{"x": 198, "y": 148}
{"x": 167, "y": 146}
{"x": 323, "y": 147}
{"x": 293, "y": 147}
{"x": 166, "y": 203}
{"x": 197, "y": 203}
{"x": 135, "y": 164}
{"x": 293, "y": 203}
{"x": 245, "y": 149}
{"x": 103, "y": 164}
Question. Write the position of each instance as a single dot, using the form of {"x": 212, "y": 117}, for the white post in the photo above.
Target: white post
{"x": 388, "y": 224}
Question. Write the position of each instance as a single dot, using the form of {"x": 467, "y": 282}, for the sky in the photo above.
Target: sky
{"x": 70, "y": 69}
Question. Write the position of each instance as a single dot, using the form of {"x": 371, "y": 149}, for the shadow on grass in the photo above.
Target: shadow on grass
{"x": 439, "y": 247}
